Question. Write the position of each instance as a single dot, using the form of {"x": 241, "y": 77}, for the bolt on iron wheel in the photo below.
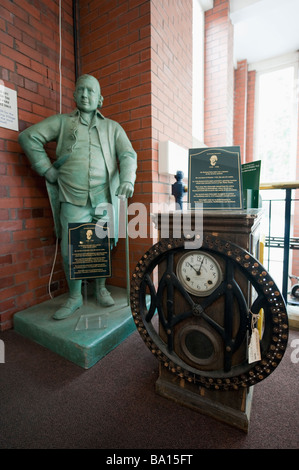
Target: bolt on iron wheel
{"x": 204, "y": 339}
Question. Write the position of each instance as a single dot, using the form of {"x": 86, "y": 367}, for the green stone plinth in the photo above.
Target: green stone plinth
{"x": 85, "y": 337}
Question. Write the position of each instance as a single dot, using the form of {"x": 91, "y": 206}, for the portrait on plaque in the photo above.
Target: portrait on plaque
{"x": 215, "y": 178}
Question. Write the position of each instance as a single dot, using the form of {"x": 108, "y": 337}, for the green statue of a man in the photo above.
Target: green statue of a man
{"x": 95, "y": 163}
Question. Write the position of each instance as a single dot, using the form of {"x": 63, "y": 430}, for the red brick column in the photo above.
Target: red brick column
{"x": 219, "y": 75}
{"x": 141, "y": 52}
{"x": 240, "y": 108}
{"x": 250, "y": 115}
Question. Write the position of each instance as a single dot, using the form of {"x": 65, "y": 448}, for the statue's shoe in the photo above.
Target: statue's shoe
{"x": 104, "y": 297}
{"x": 70, "y": 306}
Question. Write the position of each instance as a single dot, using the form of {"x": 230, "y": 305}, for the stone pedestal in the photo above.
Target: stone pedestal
{"x": 85, "y": 337}
{"x": 231, "y": 407}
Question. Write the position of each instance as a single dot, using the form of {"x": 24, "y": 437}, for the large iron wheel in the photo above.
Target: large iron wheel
{"x": 150, "y": 297}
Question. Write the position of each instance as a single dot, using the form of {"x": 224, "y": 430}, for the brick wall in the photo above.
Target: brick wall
{"x": 140, "y": 52}
{"x": 115, "y": 48}
{"x": 219, "y": 76}
{"x": 171, "y": 56}
{"x": 29, "y": 48}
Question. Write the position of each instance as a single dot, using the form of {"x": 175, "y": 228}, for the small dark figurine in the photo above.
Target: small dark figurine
{"x": 178, "y": 189}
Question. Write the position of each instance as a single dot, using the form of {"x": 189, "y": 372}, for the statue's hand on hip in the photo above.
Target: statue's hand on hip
{"x": 125, "y": 189}
{"x": 51, "y": 174}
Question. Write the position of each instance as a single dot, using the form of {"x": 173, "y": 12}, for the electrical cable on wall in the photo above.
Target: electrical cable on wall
{"x": 60, "y": 111}
{"x": 52, "y": 270}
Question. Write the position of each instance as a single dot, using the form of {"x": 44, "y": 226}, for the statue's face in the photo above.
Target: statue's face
{"x": 87, "y": 94}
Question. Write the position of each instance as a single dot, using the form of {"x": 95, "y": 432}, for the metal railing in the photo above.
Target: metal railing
{"x": 286, "y": 242}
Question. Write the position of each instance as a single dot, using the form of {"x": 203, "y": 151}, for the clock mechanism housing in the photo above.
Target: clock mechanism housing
{"x": 200, "y": 327}
{"x": 198, "y": 340}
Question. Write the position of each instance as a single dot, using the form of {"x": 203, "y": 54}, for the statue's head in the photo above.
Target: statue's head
{"x": 179, "y": 175}
{"x": 88, "y": 94}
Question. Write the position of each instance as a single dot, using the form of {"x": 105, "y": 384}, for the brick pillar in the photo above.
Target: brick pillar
{"x": 250, "y": 115}
{"x": 141, "y": 52}
{"x": 240, "y": 108}
{"x": 219, "y": 75}
{"x": 171, "y": 55}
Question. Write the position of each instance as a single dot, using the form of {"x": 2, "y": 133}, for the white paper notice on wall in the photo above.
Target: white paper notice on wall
{"x": 8, "y": 108}
{"x": 172, "y": 157}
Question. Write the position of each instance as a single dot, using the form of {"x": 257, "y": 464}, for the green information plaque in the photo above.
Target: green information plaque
{"x": 251, "y": 184}
{"x": 215, "y": 178}
{"x": 89, "y": 255}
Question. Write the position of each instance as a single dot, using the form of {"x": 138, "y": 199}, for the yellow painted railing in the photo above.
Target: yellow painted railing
{"x": 286, "y": 185}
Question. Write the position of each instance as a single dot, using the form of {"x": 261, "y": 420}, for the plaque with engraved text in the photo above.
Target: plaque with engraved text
{"x": 89, "y": 255}
{"x": 215, "y": 178}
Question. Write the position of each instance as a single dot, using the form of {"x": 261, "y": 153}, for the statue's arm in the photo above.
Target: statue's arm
{"x": 33, "y": 140}
{"x": 127, "y": 163}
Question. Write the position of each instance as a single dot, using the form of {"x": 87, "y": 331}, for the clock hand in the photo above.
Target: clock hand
{"x": 198, "y": 272}
{"x": 192, "y": 266}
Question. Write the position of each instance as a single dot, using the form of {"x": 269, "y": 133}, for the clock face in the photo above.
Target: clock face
{"x": 199, "y": 272}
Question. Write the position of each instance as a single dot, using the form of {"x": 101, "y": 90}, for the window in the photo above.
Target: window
{"x": 276, "y": 147}
{"x": 276, "y": 123}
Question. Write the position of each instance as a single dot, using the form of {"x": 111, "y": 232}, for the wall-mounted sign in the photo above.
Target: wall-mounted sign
{"x": 215, "y": 178}
{"x": 8, "y": 108}
{"x": 89, "y": 255}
